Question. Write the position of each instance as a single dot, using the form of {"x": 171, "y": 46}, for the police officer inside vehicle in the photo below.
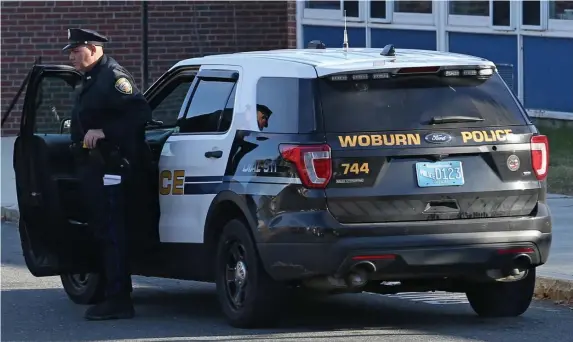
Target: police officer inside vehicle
{"x": 109, "y": 111}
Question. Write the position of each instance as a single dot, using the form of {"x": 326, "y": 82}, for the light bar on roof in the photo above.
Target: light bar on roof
{"x": 380, "y": 75}
{"x": 452, "y": 73}
{"x": 447, "y": 71}
{"x": 486, "y": 72}
{"x": 360, "y": 77}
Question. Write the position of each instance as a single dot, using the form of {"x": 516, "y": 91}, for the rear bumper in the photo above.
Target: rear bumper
{"x": 423, "y": 249}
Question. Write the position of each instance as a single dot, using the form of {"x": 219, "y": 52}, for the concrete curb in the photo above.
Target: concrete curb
{"x": 559, "y": 290}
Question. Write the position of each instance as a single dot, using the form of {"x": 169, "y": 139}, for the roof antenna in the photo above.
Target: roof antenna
{"x": 345, "y": 43}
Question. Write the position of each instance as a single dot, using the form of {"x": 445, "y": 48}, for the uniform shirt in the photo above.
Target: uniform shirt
{"x": 109, "y": 100}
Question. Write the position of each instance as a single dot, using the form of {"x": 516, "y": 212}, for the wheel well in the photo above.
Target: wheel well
{"x": 224, "y": 212}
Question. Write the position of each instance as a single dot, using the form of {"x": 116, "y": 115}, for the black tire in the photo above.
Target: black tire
{"x": 261, "y": 303}
{"x": 499, "y": 299}
{"x": 84, "y": 289}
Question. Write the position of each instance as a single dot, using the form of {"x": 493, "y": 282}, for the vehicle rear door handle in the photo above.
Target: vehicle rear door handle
{"x": 214, "y": 154}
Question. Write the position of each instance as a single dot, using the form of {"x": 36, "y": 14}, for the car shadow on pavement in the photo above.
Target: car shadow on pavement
{"x": 166, "y": 313}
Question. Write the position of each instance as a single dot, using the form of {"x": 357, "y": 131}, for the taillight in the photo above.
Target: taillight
{"x": 418, "y": 70}
{"x": 313, "y": 163}
{"x": 540, "y": 155}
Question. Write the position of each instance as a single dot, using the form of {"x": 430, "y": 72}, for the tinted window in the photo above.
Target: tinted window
{"x": 227, "y": 116}
{"x": 207, "y": 104}
{"x": 169, "y": 107}
{"x": 411, "y": 102}
{"x": 285, "y": 105}
{"x": 56, "y": 99}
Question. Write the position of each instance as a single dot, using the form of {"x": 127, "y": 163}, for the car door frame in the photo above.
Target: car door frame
{"x": 58, "y": 249}
{"x": 190, "y": 231}
{"x": 30, "y": 186}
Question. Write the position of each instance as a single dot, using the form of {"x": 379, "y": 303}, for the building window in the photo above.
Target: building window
{"x": 561, "y": 10}
{"x": 413, "y": 6}
{"x": 351, "y": 9}
{"x": 474, "y": 8}
{"x": 531, "y": 13}
{"x": 327, "y": 5}
{"x": 326, "y": 10}
{"x": 469, "y": 13}
{"x": 501, "y": 13}
{"x": 413, "y": 12}
{"x": 378, "y": 9}
{"x": 560, "y": 15}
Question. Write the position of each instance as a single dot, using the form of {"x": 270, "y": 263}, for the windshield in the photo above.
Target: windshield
{"x": 410, "y": 102}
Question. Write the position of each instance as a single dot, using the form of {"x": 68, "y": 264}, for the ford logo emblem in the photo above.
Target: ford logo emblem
{"x": 438, "y": 138}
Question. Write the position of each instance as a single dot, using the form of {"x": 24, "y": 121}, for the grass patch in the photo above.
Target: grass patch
{"x": 560, "y": 177}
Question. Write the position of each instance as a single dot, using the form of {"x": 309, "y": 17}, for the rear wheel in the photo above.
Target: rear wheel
{"x": 503, "y": 299}
{"x": 84, "y": 289}
{"x": 247, "y": 295}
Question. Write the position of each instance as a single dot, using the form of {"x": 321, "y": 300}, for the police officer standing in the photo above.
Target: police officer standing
{"x": 108, "y": 109}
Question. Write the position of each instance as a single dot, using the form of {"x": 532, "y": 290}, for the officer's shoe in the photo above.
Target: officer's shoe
{"x": 111, "y": 308}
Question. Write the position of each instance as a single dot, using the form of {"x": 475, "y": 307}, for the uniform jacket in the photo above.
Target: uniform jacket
{"x": 109, "y": 100}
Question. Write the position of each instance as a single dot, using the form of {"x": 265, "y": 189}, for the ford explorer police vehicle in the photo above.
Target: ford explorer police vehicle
{"x": 330, "y": 170}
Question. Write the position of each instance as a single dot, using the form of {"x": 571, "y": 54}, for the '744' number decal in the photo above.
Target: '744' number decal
{"x": 355, "y": 168}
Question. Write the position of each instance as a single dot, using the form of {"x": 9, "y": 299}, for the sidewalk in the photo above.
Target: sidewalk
{"x": 555, "y": 277}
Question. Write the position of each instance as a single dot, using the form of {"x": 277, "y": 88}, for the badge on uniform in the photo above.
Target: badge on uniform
{"x": 123, "y": 86}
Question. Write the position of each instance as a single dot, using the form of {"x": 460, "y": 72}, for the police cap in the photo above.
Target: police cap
{"x": 264, "y": 109}
{"x": 78, "y": 36}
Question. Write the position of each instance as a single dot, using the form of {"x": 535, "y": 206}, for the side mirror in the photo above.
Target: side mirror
{"x": 65, "y": 126}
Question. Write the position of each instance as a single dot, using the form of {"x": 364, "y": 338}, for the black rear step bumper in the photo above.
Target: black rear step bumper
{"x": 476, "y": 246}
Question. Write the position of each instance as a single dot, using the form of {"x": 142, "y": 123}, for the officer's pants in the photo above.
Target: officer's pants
{"x": 105, "y": 209}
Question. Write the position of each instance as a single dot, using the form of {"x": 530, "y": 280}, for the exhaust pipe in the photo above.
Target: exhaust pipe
{"x": 358, "y": 275}
{"x": 368, "y": 266}
{"x": 522, "y": 262}
{"x": 517, "y": 270}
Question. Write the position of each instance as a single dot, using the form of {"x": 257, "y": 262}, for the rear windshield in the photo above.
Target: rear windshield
{"x": 411, "y": 102}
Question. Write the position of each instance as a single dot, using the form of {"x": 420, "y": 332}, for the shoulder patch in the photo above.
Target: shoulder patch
{"x": 123, "y": 86}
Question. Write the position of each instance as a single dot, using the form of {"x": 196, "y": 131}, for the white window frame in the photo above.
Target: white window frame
{"x": 413, "y": 18}
{"x": 512, "y": 17}
{"x": 458, "y": 20}
{"x": 332, "y": 14}
{"x": 557, "y": 24}
{"x": 389, "y": 12}
{"x": 543, "y": 12}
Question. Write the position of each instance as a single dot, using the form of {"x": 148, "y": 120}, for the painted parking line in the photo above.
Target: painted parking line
{"x": 434, "y": 298}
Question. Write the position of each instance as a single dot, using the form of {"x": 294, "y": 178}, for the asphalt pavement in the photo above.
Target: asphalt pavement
{"x": 37, "y": 309}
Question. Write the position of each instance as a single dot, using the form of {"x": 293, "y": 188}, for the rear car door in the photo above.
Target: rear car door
{"x": 419, "y": 144}
{"x": 194, "y": 158}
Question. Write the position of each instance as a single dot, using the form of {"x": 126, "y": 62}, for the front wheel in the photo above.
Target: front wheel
{"x": 503, "y": 299}
{"x": 247, "y": 295}
{"x": 84, "y": 289}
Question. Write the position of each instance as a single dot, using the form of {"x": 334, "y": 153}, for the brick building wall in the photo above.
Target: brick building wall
{"x": 176, "y": 30}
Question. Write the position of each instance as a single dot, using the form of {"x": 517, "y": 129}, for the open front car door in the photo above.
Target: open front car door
{"x": 54, "y": 240}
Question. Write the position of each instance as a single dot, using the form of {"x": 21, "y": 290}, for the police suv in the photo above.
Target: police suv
{"x": 318, "y": 169}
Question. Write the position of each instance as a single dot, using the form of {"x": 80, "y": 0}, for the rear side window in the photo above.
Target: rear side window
{"x": 285, "y": 105}
{"x": 209, "y": 105}
{"x": 410, "y": 102}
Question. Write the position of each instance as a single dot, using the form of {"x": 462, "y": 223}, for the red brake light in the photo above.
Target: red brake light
{"x": 416, "y": 70}
{"x": 313, "y": 163}
{"x": 540, "y": 155}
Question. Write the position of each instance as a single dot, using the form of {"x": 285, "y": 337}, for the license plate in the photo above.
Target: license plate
{"x": 445, "y": 173}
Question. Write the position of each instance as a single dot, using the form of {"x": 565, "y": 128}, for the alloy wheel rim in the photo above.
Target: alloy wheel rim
{"x": 236, "y": 274}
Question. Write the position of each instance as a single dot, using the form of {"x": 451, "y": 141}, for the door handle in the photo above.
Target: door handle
{"x": 214, "y": 154}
